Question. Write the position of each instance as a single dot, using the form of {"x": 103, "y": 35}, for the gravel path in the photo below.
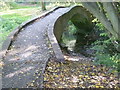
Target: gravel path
{"x": 28, "y": 54}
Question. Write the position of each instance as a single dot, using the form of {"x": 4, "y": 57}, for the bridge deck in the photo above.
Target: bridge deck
{"x": 29, "y": 53}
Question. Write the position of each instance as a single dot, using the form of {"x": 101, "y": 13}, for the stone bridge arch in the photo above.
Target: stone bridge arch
{"x": 77, "y": 14}
{"x": 81, "y": 18}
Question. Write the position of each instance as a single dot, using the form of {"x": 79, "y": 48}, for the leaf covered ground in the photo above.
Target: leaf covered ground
{"x": 81, "y": 74}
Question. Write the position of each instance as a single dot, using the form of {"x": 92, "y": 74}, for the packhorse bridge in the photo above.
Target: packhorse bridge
{"x": 26, "y": 50}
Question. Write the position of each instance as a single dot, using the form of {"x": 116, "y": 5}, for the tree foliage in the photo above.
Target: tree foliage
{"x": 108, "y": 14}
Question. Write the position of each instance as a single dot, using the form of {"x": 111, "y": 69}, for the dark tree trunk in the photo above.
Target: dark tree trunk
{"x": 43, "y": 5}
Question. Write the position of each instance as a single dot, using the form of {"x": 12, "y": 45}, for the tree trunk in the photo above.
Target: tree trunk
{"x": 43, "y": 5}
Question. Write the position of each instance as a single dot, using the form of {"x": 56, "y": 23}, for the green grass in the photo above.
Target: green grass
{"x": 19, "y": 7}
{"x": 14, "y": 5}
{"x": 9, "y": 20}
{"x": 16, "y": 17}
{"x": 8, "y": 23}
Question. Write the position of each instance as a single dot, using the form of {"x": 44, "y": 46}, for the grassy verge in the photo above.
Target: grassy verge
{"x": 10, "y": 19}
{"x": 8, "y": 23}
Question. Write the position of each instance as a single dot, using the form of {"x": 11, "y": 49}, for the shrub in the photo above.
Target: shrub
{"x": 105, "y": 51}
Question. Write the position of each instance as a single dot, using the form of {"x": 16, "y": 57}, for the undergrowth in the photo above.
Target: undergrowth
{"x": 106, "y": 53}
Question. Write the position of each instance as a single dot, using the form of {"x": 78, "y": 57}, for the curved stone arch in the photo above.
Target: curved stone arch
{"x": 75, "y": 16}
{"x": 56, "y": 30}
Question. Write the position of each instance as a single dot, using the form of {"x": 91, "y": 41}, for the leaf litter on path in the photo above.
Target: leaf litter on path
{"x": 74, "y": 74}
